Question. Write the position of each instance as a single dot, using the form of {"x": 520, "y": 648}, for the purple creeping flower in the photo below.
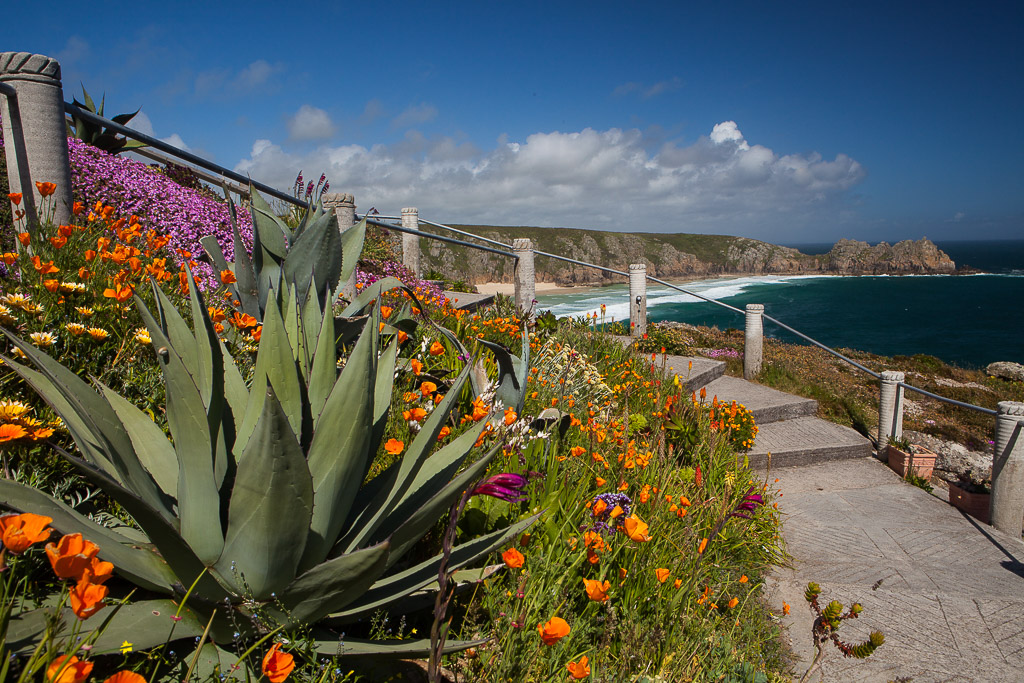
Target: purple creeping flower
{"x": 508, "y": 487}
{"x": 132, "y": 187}
{"x": 749, "y": 503}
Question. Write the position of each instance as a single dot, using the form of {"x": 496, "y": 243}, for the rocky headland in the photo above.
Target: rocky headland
{"x": 675, "y": 256}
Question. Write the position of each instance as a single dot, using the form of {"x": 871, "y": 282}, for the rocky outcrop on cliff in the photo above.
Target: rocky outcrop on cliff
{"x": 675, "y": 256}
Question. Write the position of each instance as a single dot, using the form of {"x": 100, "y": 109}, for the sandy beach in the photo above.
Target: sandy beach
{"x": 509, "y": 289}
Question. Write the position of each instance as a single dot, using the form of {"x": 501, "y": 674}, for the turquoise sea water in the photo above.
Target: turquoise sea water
{"x": 969, "y": 320}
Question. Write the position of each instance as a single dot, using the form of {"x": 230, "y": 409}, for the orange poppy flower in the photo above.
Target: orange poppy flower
{"x": 68, "y": 669}
{"x": 78, "y": 208}
{"x": 661, "y": 574}
{"x": 125, "y": 677}
{"x": 46, "y": 189}
{"x": 636, "y": 529}
{"x": 744, "y": 579}
{"x": 732, "y": 603}
{"x": 216, "y": 314}
{"x": 277, "y": 665}
{"x": 87, "y": 598}
{"x": 702, "y": 546}
{"x": 553, "y": 631}
{"x": 580, "y": 669}
{"x": 427, "y": 388}
{"x": 599, "y": 507}
{"x": 44, "y": 268}
{"x": 121, "y": 293}
{"x": 597, "y": 591}
{"x": 9, "y": 257}
{"x": 21, "y": 531}
{"x": 436, "y": 348}
{"x": 386, "y": 311}
{"x": 417, "y": 366}
{"x": 24, "y": 238}
{"x": 785, "y": 608}
{"x": 15, "y": 198}
{"x": 227, "y": 277}
{"x": 445, "y": 431}
{"x": 394, "y": 446}
{"x": 402, "y": 336}
{"x": 512, "y": 558}
{"x": 243, "y": 320}
{"x": 71, "y": 556}
{"x": 59, "y": 241}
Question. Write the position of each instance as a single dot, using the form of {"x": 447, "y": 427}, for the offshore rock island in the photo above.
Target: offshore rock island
{"x": 675, "y": 255}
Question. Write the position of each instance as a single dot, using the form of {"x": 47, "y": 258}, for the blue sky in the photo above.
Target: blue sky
{"x": 799, "y": 122}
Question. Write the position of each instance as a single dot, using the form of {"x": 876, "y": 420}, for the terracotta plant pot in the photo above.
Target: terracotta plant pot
{"x": 974, "y": 504}
{"x": 920, "y": 462}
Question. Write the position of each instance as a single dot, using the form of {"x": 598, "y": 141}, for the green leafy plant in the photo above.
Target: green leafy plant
{"x": 902, "y": 443}
{"x": 97, "y": 135}
{"x": 826, "y": 627}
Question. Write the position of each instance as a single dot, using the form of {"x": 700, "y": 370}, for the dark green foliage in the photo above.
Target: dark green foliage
{"x": 96, "y": 135}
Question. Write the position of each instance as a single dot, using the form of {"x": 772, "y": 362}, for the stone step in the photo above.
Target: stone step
{"x": 768, "y": 405}
{"x": 806, "y": 441}
{"x": 468, "y": 301}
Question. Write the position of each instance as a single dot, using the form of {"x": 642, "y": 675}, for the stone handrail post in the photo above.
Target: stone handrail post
{"x": 411, "y": 243}
{"x": 35, "y": 135}
{"x": 1007, "y": 503}
{"x": 753, "y": 341}
{"x": 525, "y": 276}
{"x": 344, "y": 207}
{"x": 638, "y": 299}
{"x": 890, "y": 408}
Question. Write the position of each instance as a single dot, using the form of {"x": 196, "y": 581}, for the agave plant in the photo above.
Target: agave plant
{"x": 97, "y": 135}
{"x": 254, "y": 514}
{"x": 313, "y": 257}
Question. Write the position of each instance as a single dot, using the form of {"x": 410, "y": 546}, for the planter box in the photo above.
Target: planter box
{"x": 919, "y": 462}
{"x": 974, "y": 504}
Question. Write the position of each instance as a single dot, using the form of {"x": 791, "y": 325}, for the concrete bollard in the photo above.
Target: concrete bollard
{"x": 1007, "y": 504}
{"x": 638, "y": 299}
{"x": 525, "y": 276}
{"x": 411, "y": 243}
{"x": 753, "y": 341}
{"x": 890, "y": 408}
{"x": 35, "y": 135}
{"x": 344, "y": 207}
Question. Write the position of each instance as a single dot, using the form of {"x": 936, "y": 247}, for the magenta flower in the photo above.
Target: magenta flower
{"x": 749, "y": 503}
{"x": 508, "y": 487}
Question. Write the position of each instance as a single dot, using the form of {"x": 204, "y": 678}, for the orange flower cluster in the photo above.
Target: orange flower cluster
{"x": 16, "y": 425}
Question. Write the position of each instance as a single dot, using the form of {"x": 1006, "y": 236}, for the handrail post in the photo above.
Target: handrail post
{"x": 525, "y": 275}
{"x": 411, "y": 243}
{"x": 638, "y": 299}
{"x": 344, "y": 206}
{"x": 35, "y": 135}
{"x": 1007, "y": 503}
{"x": 890, "y": 408}
{"x": 753, "y": 341}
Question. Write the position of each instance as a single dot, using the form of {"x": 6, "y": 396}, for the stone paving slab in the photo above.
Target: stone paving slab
{"x": 951, "y": 595}
{"x": 767, "y": 404}
{"x": 470, "y": 302}
{"x": 805, "y": 441}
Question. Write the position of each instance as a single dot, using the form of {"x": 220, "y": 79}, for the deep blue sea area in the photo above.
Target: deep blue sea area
{"x": 969, "y": 320}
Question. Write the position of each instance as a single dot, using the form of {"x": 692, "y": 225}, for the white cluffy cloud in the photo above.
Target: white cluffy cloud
{"x": 609, "y": 179}
{"x": 141, "y": 123}
{"x": 310, "y": 123}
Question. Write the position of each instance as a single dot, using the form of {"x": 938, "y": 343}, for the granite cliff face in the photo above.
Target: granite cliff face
{"x": 674, "y": 256}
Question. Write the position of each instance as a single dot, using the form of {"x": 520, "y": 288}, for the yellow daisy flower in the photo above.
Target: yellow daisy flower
{"x": 43, "y": 340}
{"x": 142, "y": 336}
{"x": 85, "y": 311}
{"x": 98, "y": 333}
{"x": 75, "y": 328}
{"x": 13, "y": 410}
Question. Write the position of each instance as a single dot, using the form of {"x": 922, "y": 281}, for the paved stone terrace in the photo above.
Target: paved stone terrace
{"x": 951, "y": 598}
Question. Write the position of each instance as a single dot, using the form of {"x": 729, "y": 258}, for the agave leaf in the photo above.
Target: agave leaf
{"x": 268, "y": 275}
{"x": 145, "y": 624}
{"x": 213, "y": 249}
{"x": 246, "y": 287}
{"x": 331, "y": 585}
{"x": 351, "y": 247}
{"x": 125, "y": 118}
{"x": 312, "y": 317}
{"x": 326, "y": 643}
{"x": 430, "y": 477}
{"x": 315, "y": 258}
{"x": 214, "y": 661}
{"x": 370, "y": 293}
{"x": 198, "y": 495}
{"x": 274, "y": 234}
{"x": 365, "y": 527}
{"x": 512, "y": 373}
{"x": 175, "y": 330}
{"x": 426, "y": 516}
{"x": 89, "y": 443}
{"x": 383, "y": 390}
{"x": 390, "y": 590}
{"x": 323, "y": 371}
{"x": 155, "y": 452}
{"x": 292, "y": 325}
{"x": 342, "y": 445}
{"x": 275, "y": 366}
{"x": 143, "y": 567}
{"x": 164, "y": 536}
{"x": 235, "y": 391}
{"x": 101, "y": 420}
{"x": 271, "y": 506}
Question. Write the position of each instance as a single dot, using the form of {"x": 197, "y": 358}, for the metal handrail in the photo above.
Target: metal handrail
{"x": 449, "y": 240}
{"x": 951, "y": 401}
{"x": 467, "y": 234}
{"x": 180, "y": 153}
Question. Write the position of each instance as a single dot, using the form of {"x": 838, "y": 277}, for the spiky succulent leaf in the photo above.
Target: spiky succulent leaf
{"x": 333, "y": 584}
{"x": 512, "y": 373}
{"x": 315, "y": 258}
{"x": 342, "y": 446}
{"x": 372, "y": 293}
{"x": 323, "y": 372}
{"x": 271, "y": 506}
{"x": 329, "y": 644}
{"x": 155, "y": 452}
{"x": 143, "y": 567}
{"x": 352, "y": 241}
